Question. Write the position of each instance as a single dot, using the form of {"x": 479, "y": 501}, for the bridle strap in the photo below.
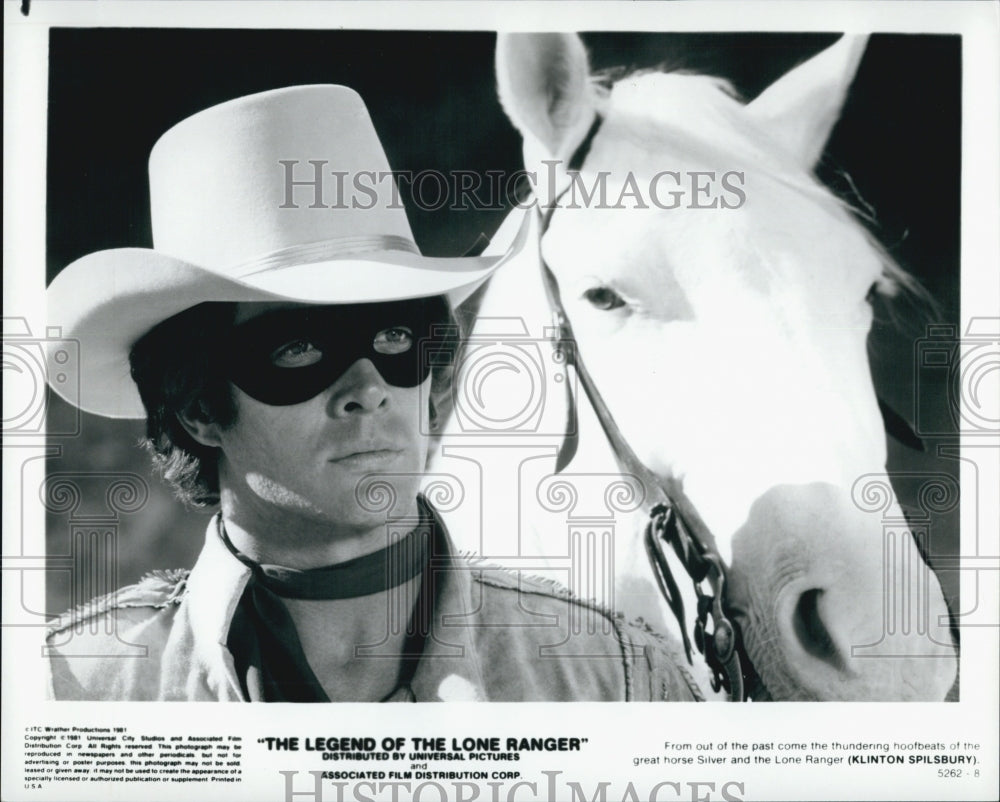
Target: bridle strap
{"x": 673, "y": 517}
{"x": 673, "y": 520}
{"x": 583, "y": 149}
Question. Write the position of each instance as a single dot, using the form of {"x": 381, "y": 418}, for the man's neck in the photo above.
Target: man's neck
{"x": 355, "y": 646}
{"x": 305, "y": 541}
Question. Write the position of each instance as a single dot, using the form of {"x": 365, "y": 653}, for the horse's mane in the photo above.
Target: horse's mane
{"x": 715, "y": 123}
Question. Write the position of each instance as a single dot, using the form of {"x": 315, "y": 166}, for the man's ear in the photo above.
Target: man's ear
{"x": 201, "y": 429}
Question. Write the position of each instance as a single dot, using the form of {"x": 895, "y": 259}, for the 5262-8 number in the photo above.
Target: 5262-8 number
{"x": 957, "y": 773}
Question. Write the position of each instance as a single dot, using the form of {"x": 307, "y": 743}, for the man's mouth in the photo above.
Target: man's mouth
{"x": 367, "y": 454}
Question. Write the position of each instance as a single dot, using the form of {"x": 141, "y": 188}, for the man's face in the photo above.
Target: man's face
{"x": 287, "y": 459}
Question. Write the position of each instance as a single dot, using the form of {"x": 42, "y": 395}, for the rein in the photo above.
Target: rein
{"x": 673, "y": 519}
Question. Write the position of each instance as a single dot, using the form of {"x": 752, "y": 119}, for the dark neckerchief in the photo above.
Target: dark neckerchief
{"x": 268, "y": 656}
{"x": 363, "y": 576}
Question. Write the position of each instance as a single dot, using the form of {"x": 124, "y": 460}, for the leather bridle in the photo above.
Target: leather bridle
{"x": 673, "y": 519}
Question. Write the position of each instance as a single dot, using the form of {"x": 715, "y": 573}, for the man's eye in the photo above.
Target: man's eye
{"x": 396, "y": 340}
{"x": 296, "y": 354}
{"x": 604, "y": 298}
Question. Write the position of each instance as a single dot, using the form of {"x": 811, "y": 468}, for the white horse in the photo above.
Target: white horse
{"x": 719, "y": 295}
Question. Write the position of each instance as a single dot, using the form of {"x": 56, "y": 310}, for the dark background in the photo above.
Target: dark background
{"x": 113, "y": 92}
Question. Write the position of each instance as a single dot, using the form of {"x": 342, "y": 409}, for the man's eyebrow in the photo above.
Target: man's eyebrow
{"x": 278, "y": 315}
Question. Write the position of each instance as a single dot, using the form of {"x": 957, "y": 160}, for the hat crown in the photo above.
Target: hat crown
{"x": 270, "y": 172}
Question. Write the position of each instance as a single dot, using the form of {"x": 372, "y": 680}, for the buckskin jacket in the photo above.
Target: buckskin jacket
{"x": 494, "y": 636}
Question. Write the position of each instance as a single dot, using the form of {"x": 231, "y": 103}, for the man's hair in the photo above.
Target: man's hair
{"x": 178, "y": 368}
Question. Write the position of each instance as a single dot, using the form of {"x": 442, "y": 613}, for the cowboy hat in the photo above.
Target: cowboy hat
{"x": 248, "y": 203}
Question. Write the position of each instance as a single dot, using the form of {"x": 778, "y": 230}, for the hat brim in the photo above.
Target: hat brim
{"x": 108, "y": 300}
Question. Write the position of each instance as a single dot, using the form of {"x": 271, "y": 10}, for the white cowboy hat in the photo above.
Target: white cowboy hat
{"x": 255, "y": 199}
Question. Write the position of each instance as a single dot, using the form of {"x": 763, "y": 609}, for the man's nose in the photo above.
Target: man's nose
{"x": 361, "y": 389}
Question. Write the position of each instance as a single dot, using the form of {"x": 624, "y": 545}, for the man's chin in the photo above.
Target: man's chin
{"x": 368, "y": 500}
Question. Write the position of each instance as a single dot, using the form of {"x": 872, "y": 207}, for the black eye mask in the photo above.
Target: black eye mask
{"x": 288, "y": 356}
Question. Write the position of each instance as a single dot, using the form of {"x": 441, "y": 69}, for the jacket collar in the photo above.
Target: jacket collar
{"x": 215, "y": 586}
{"x": 449, "y": 667}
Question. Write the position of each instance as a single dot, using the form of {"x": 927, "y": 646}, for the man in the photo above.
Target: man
{"x": 286, "y": 353}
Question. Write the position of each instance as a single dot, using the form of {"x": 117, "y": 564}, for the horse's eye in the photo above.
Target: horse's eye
{"x": 604, "y": 298}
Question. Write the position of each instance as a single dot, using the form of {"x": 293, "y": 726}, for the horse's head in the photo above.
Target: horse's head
{"x": 719, "y": 295}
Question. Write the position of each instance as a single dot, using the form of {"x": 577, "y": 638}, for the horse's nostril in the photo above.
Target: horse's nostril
{"x": 812, "y": 632}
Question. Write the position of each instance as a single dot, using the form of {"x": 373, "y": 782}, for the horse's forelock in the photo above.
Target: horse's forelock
{"x": 700, "y": 108}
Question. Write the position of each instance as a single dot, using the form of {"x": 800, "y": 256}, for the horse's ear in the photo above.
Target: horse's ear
{"x": 801, "y": 108}
{"x": 543, "y": 82}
